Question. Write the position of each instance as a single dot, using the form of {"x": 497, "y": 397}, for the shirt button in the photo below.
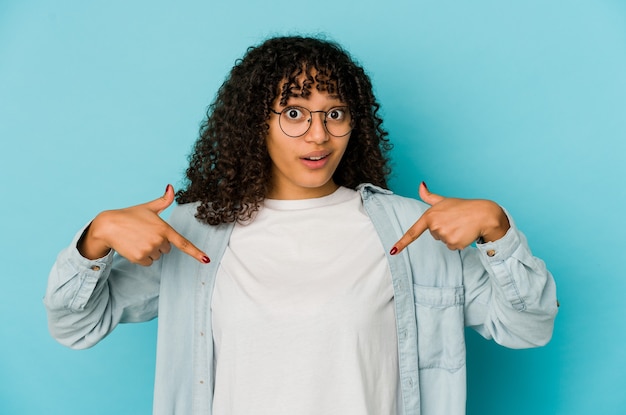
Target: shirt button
{"x": 95, "y": 268}
{"x": 491, "y": 252}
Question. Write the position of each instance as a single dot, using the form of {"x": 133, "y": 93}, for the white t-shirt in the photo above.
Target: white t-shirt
{"x": 303, "y": 313}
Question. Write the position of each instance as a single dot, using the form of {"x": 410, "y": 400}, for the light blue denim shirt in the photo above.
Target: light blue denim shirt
{"x": 497, "y": 288}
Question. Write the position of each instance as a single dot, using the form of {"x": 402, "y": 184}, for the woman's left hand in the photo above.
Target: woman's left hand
{"x": 456, "y": 222}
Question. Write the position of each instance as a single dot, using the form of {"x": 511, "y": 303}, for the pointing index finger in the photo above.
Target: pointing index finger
{"x": 186, "y": 246}
{"x": 414, "y": 232}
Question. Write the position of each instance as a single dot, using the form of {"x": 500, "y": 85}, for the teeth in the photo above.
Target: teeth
{"x": 316, "y": 158}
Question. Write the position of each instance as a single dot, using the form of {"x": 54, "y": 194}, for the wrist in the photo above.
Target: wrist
{"x": 89, "y": 245}
{"x": 497, "y": 224}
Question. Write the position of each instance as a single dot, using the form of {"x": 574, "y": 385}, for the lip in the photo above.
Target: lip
{"x": 320, "y": 158}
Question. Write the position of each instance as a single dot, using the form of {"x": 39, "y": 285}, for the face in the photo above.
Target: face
{"x": 303, "y": 167}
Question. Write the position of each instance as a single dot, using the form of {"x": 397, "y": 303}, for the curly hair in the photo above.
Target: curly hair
{"x": 230, "y": 168}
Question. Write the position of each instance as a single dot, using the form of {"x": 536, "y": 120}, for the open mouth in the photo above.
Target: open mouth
{"x": 315, "y": 158}
{"x": 316, "y": 155}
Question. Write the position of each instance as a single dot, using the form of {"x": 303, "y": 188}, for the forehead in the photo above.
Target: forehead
{"x": 314, "y": 101}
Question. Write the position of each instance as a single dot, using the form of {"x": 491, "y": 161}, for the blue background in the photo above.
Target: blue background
{"x": 523, "y": 102}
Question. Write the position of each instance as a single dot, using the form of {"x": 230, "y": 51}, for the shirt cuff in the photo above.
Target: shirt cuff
{"x": 88, "y": 271}
{"x": 495, "y": 257}
{"x": 503, "y": 248}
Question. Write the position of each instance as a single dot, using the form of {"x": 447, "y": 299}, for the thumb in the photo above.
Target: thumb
{"x": 158, "y": 205}
{"x": 427, "y": 196}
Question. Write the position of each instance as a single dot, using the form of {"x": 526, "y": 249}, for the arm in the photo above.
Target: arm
{"x": 88, "y": 295}
{"x": 86, "y": 299}
{"x": 509, "y": 294}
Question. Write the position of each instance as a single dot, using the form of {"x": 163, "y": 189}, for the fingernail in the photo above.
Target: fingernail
{"x": 167, "y": 188}
{"x": 425, "y": 186}
{"x": 206, "y": 259}
{"x": 393, "y": 251}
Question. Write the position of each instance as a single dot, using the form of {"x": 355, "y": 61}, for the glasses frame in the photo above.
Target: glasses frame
{"x": 310, "y": 121}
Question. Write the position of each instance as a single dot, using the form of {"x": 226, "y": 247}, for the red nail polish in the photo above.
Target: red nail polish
{"x": 393, "y": 251}
{"x": 425, "y": 186}
{"x": 167, "y": 188}
{"x": 206, "y": 259}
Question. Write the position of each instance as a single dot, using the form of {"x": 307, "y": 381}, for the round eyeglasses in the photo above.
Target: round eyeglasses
{"x": 296, "y": 121}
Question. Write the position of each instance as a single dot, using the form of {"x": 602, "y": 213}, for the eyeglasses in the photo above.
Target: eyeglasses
{"x": 296, "y": 121}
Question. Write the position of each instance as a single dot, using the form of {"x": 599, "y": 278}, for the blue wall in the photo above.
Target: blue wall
{"x": 523, "y": 102}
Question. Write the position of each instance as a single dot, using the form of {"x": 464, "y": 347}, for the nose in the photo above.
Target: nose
{"x": 317, "y": 131}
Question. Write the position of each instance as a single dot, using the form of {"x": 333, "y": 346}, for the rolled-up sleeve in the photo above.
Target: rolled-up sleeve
{"x": 510, "y": 295}
{"x": 86, "y": 299}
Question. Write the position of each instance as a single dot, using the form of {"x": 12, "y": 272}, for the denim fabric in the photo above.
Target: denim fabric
{"x": 498, "y": 288}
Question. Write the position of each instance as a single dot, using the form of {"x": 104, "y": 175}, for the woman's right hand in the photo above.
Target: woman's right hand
{"x": 137, "y": 233}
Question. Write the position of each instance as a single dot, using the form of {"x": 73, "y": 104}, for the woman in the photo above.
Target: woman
{"x": 293, "y": 288}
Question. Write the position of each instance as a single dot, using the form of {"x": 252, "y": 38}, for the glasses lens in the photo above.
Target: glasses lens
{"x": 338, "y": 121}
{"x": 295, "y": 121}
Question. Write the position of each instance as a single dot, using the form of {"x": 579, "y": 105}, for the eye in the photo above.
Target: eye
{"x": 336, "y": 114}
{"x": 293, "y": 114}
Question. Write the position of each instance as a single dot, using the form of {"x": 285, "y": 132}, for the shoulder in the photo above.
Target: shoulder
{"x": 404, "y": 208}
{"x": 183, "y": 219}
{"x": 184, "y": 214}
